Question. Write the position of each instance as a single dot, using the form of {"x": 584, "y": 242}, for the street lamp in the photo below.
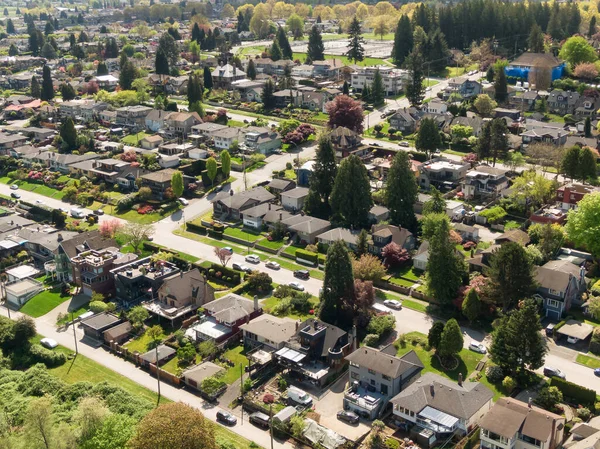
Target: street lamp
{"x": 157, "y": 375}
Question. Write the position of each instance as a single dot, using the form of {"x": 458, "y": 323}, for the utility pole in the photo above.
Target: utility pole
{"x": 271, "y": 423}
{"x": 242, "y": 389}
{"x": 74, "y": 334}
{"x": 157, "y": 375}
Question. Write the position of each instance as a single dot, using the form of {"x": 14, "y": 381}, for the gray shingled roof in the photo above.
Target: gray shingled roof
{"x": 383, "y": 363}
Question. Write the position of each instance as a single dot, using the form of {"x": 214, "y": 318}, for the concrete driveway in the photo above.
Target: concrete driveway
{"x": 330, "y": 404}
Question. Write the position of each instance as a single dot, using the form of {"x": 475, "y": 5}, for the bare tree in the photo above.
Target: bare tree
{"x": 134, "y": 234}
{"x": 540, "y": 75}
{"x": 545, "y": 155}
{"x": 223, "y": 255}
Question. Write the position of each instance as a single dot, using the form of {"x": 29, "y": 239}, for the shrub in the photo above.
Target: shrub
{"x": 282, "y": 307}
{"x": 282, "y": 384}
{"x": 574, "y": 392}
{"x": 98, "y": 306}
{"x": 494, "y": 374}
{"x": 596, "y": 288}
{"x": 268, "y": 398}
{"x": 509, "y": 384}
{"x": 390, "y": 443}
{"x": 549, "y": 397}
{"x": 381, "y": 325}
{"x": 46, "y": 356}
{"x": 371, "y": 340}
{"x": 301, "y": 302}
{"x": 584, "y": 413}
{"x": 494, "y": 214}
{"x": 307, "y": 256}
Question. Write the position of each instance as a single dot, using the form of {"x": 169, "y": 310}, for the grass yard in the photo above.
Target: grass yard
{"x": 172, "y": 366}
{"x": 73, "y": 314}
{"x": 590, "y": 362}
{"x": 236, "y": 123}
{"x": 269, "y": 303}
{"x": 373, "y": 36}
{"x": 414, "y": 304}
{"x": 458, "y": 71}
{"x": 365, "y": 62}
{"x": 44, "y": 302}
{"x": 225, "y": 435}
{"x": 143, "y": 343}
{"x": 242, "y": 234}
{"x": 408, "y": 272}
{"x": 132, "y": 215}
{"x": 237, "y": 356}
{"x": 467, "y": 360}
{"x": 133, "y": 139}
{"x": 275, "y": 245}
{"x": 401, "y": 282}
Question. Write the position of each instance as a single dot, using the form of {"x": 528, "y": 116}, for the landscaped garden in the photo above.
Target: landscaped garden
{"x": 237, "y": 355}
{"x": 44, "y": 302}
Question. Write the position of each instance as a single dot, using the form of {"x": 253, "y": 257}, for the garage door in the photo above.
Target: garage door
{"x": 87, "y": 291}
{"x": 553, "y": 314}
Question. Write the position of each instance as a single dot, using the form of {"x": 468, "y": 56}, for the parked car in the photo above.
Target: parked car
{"x": 477, "y": 347}
{"x": 48, "y": 343}
{"x": 549, "y": 371}
{"x": 572, "y": 340}
{"x": 99, "y": 212}
{"x": 298, "y": 396}
{"x": 184, "y": 201}
{"x": 348, "y": 416}
{"x": 597, "y": 372}
{"x": 227, "y": 418}
{"x": 273, "y": 265}
{"x": 15, "y": 195}
{"x": 241, "y": 267}
{"x": 253, "y": 258}
{"x": 260, "y": 419}
{"x": 39, "y": 201}
{"x": 229, "y": 249}
{"x": 392, "y": 304}
{"x": 297, "y": 286}
{"x": 550, "y": 329}
{"x": 404, "y": 143}
{"x": 14, "y": 187}
{"x": 302, "y": 274}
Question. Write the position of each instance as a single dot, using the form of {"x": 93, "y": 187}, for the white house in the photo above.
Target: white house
{"x": 224, "y": 138}
{"x": 294, "y": 199}
{"x": 436, "y": 107}
{"x": 268, "y": 331}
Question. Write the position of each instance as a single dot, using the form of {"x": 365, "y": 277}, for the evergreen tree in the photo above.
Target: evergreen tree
{"x": 101, "y": 69}
{"x": 167, "y": 44}
{"x": 36, "y": 90}
{"x": 338, "y": 286}
{"x": 415, "y": 91}
{"x": 445, "y": 268}
{"x": 437, "y": 51}
{"x": 13, "y": 50}
{"x": 316, "y": 49}
{"x": 195, "y": 89}
{"x": 67, "y": 92}
{"x": 428, "y": 138}
{"x": 240, "y": 23}
{"x": 471, "y": 306}
{"x": 592, "y": 27}
{"x": 588, "y": 168}
{"x": 436, "y": 204}
{"x": 501, "y": 86}
{"x": 83, "y": 37}
{"x": 401, "y": 192}
{"x": 451, "y": 342}
{"x": 251, "y": 71}
{"x": 321, "y": 179}
{"x": 275, "y": 51}
{"x": 351, "y": 195}
{"x": 49, "y": 28}
{"x": 362, "y": 243}
{"x": 498, "y": 139}
{"x": 378, "y": 89}
{"x": 161, "y": 64}
{"x": 47, "y": 93}
{"x": 284, "y": 44}
{"x": 434, "y": 336}
{"x": 103, "y": 29}
{"x": 267, "y": 96}
{"x": 518, "y": 343}
{"x": 177, "y": 183}
{"x": 10, "y": 27}
{"x": 127, "y": 75}
{"x": 570, "y": 162}
{"x": 356, "y": 51}
{"x": 587, "y": 127}
{"x": 554, "y": 28}
{"x": 48, "y": 51}
{"x": 174, "y": 33}
{"x": 536, "y": 39}
{"x": 196, "y": 32}
{"x": 111, "y": 50}
{"x": 365, "y": 95}
{"x": 36, "y": 41}
{"x": 208, "y": 81}
{"x": 483, "y": 144}
{"x": 346, "y": 88}
{"x": 68, "y": 135}
{"x": 403, "y": 41}
{"x": 511, "y": 276}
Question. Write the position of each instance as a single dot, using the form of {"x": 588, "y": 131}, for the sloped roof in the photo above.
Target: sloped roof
{"x": 384, "y": 363}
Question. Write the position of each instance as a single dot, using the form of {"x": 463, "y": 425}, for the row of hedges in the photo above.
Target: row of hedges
{"x": 576, "y": 393}
{"x": 180, "y": 262}
{"x": 307, "y": 256}
{"x": 595, "y": 342}
{"x": 196, "y": 228}
{"x": 227, "y": 275}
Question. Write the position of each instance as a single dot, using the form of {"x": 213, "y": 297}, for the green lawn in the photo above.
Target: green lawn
{"x": 237, "y": 356}
{"x": 373, "y": 36}
{"x": 242, "y": 234}
{"x": 236, "y": 123}
{"x": 225, "y": 435}
{"x": 590, "y": 362}
{"x": 44, "y": 302}
{"x": 414, "y": 304}
{"x": 133, "y": 139}
{"x": 269, "y": 303}
{"x": 275, "y": 245}
{"x": 73, "y": 314}
{"x": 401, "y": 282}
{"x": 467, "y": 359}
{"x": 143, "y": 343}
{"x": 132, "y": 215}
{"x": 579, "y": 316}
{"x": 408, "y": 272}
{"x": 32, "y": 187}
{"x": 365, "y": 62}
{"x": 458, "y": 71}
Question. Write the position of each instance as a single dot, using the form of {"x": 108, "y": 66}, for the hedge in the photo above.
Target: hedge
{"x": 595, "y": 342}
{"x": 198, "y": 229}
{"x": 576, "y": 393}
{"x": 307, "y": 255}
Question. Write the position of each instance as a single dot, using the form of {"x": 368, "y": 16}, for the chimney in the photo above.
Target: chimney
{"x": 280, "y": 216}
{"x": 255, "y": 303}
{"x": 432, "y": 390}
{"x": 59, "y": 237}
{"x": 269, "y": 206}
{"x": 460, "y": 379}
{"x": 530, "y": 402}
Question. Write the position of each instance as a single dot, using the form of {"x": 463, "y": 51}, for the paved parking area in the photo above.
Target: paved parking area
{"x": 328, "y": 406}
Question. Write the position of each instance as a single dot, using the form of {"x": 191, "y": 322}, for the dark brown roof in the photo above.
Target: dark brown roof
{"x": 536, "y": 60}
{"x": 100, "y": 321}
{"x": 514, "y": 235}
{"x": 86, "y": 241}
{"x": 118, "y": 331}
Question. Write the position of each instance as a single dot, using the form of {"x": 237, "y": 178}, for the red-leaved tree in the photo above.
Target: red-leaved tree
{"x": 394, "y": 255}
{"x": 346, "y": 112}
{"x": 109, "y": 228}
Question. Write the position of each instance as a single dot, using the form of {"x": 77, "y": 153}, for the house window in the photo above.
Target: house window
{"x": 384, "y": 389}
{"x": 372, "y": 381}
{"x": 555, "y": 293}
{"x": 554, "y": 304}
{"x": 371, "y": 371}
{"x": 355, "y": 376}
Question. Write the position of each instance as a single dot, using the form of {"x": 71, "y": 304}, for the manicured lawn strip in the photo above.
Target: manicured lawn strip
{"x": 143, "y": 343}
{"x": 414, "y": 304}
{"x": 133, "y": 139}
{"x": 184, "y": 256}
{"x": 242, "y": 234}
{"x": 225, "y": 435}
{"x": 401, "y": 282}
{"x": 43, "y": 303}
{"x": 590, "y": 362}
{"x": 269, "y": 303}
{"x": 409, "y": 272}
{"x": 236, "y": 123}
{"x": 73, "y": 314}
{"x": 344, "y": 59}
{"x": 275, "y": 245}
{"x": 132, "y": 215}
{"x": 236, "y": 356}
{"x": 467, "y": 360}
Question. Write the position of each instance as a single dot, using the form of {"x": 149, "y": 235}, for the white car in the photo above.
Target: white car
{"x": 572, "y": 340}
{"x": 253, "y": 258}
{"x": 392, "y": 304}
{"x": 39, "y": 201}
{"x": 48, "y": 343}
{"x": 296, "y": 286}
{"x": 184, "y": 201}
{"x": 14, "y": 187}
{"x": 241, "y": 267}
{"x": 477, "y": 347}
{"x": 272, "y": 265}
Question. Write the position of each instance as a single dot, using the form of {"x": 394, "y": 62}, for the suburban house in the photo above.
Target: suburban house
{"x": 95, "y": 326}
{"x": 376, "y": 377}
{"x": 464, "y": 87}
{"x": 305, "y": 227}
{"x": 560, "y": 283}
{"x": 118, "y": 334}
{"x": 563, "y": 102}
{"x": 475, "y": 123}
{"x": 254, "y": 216}
{"x": 133, "y": 116}
{"x": 42, "y": 243}
{"x": 329, "y": 68}
{"x": 513, "y": 235}
{"x": 293, "y": 200}
{"x": 111, "y": 171}
{"x": 151, "y": 142}
{"x": 469, "y": 233}
{"x": 378, "y": 214}
{"x": 346, "y": 142}
{"x": 512, "y": 424}
{"x": 70, "y": 245}
{"x": 421, "y": 257}
{"x": 520, "y": 67}
{"x": 484, "y": 181}
{"x": 180, "y": 123}
{"x": 155, "y": 119}
{"x": 442, "y": 173}
{"x": 262, "y": 140}
{"x": 268, "y": 332}
{"x": 569, "y": 195}
{"x": 232, "y": 205}
{"x": 331, "y": 236}
{"x": 435, "y": 106}
{"x": 160, "y": 181}
{"x": 194, "y": 376}
{"x": 315, "y": 351}
{"x": 436, "y": 407}
{"x": 555, "y": 136}
{"x": 207, "y": 129}
{"x": 278, "y": 185}
{"x": 224, "y": 138}
{"x": 224, "y": 75}
{"x": 588, "y": 106}
{"x": 92, "y": 270}
{"x": 8, "y": 141}
{"x": 384, "y": 234}
{"x": 21, "y": 291}
{"x": 223, "y": 317}
{"x": 525, "y": 101}
{"x": 405, "y": 120}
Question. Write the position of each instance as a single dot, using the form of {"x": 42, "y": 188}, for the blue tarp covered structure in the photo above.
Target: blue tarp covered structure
{"x": 523, "y": 72}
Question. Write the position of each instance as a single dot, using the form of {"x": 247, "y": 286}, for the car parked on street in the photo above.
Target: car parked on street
{"x": 302, "y": 274}
{"x": 253, "y": 258}
{"x": 14, "y": 187}
{"x": 272, "y": 265}
{"x": 241, "y": 267}
{"x": 392, "y": 304}
{"x": 15, "y": 195}
{"x": 48, "y": 343}
{"x": 229, "y": 249}
{"x": 226, "y": 418}
{"x": 550, "y": 371}
{"x": 297, "y": 286}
